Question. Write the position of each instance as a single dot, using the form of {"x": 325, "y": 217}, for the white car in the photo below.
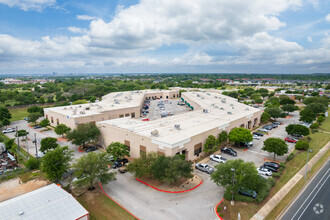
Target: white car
{"x": 263, "y": 129}
{"x": 256, "y": 137}
{"x": 9, "y": 130}
{"x": 218, "y": 158}
{"x": 264, "y": 171}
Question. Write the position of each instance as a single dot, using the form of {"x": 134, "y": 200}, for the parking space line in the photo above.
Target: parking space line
{"x": 257, "y": 152}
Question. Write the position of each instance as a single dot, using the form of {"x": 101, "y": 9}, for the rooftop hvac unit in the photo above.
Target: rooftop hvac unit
{"x": 74, "y": 111}
{"x": 87, "y": 108}
{"x": 64, "y": 108}
{"x": 82, "y": 112}
{"x": 215, "y": 106}
{"x": 177, "y": 126}
{"x": 205, "y": 110}
{"x": 154, "y": 133}
{"x": 229, "y": 113}
{"x": 212, "y": 104}
{"x": 202, "y": 97}
{"x": 231, "y": 105}
{"x": 208, "y": 94}
{"x": 198, "y": 95}
{"x": 223, "y": 100}
{"x": 222, "y": 108}
{"x": 247, "y": 109}
{"x": 215, "y": 97}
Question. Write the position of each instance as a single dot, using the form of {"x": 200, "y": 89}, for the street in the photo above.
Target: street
{"x": 314, "y": 201}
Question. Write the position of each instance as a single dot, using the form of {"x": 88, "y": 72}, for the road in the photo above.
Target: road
{"x": 314, "y": 201}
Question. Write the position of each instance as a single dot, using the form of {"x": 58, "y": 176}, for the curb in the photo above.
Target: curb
{"x": 216, "y": 207}
{"x": 79, "y": 149}
{"x": 165, "y": 191}
{"x": 58, "y": 139}
{"x": 116, "y": 202}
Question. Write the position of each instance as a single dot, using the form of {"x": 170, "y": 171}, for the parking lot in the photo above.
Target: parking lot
{"x": 165, "y": 107}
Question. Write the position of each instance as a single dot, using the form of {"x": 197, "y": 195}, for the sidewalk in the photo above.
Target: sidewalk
{"x": 268, "y": 207}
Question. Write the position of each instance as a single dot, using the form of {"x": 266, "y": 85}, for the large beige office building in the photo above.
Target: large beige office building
{"x": 118, "y": 117}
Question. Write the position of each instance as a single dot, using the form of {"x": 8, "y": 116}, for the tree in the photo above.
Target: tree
{"x": 10, "y": 143}
{"x": 286, "y": 101}
{"x": 56, "y": 162}
{"x": 272, "y": 102}
{"x": 45, "y": 123}
{"x": 171, "y": 169}
{"x": 21, "y": 133}
{"x": 84, "y": 133}
{"x": 274, "y": 112}
{"x": 238, "y": 135}
{"x": 295, "y": 129}
{"x": 233, "y": 94}
{"x": 265, "y": 116}
{"x": 258, "y": 100}
{"x": 35, "y": 109}
{"x": 314, "y": 125}
{"x": 33, "y": 117}
{"x": 246, "y": 175}
{"x": 61, "y": 129}
{"x": 33, "y": 163}
{"x": 316, "y": 108}
{"x": 48, "y": 143}
{"x": 223, "y": 137}
{"x": 288, "y": 108}
{"x": 210, "y": 143}
{"x": 4, "y": 113}
{"x": 118, "y": 150}
{"x": 276, "y": 146}
{"x": 92, "y": 168}
{"x": 320, "y": 119}
{"x": 324, "y": 100}
{"x": 307, "y": 116}
{"x": 5, "y": 122}
{"x": 141, "y": 166}
{"x": 302, "y": 145}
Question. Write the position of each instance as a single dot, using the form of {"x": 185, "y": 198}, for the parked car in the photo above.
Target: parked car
{"x": 268, "y": 127}
{"x": 297, "y": 136}
{"x": 9, "y": 130}
{"x": 272, "y": 164}
{"x": 246, "y": 144}
{"x": 26, "y": 119}
{"x": 204, "y": 167}
{"x": 247, "y": 192}
{"x": 119, "y": 163}
{"x": 256, "y": 137}
{"x": 264, "y": 171}
{"x": 263, "y": 130}
{"x": 229, "y": 151}
{"x": 269, "y": 168}
{"x": 258, "y": 133}
{"x": 39, "y": 154}
{"x": 291, "y": 140}
{"x": 91, "y": 148}
{"x": 274, "y": 125}
{"x": 218, "y": 158}
{"x": 37, "y": 126}
{"x": 277, "y": 123}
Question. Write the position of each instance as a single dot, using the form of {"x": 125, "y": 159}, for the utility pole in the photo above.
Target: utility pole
{"x": 35, "y": 141}
{"x": 17, "y": 138}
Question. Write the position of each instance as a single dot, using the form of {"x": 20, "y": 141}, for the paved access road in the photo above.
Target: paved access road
{"x": 314, "y": 201}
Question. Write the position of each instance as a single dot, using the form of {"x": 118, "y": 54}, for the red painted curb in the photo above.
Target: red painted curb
{"x": 79, "y": 149}
{"x": 216, "y": 207}
{"x": 170, "y": 191}
{"x": 116, "y": 202}
{"x": 246, "y": 149}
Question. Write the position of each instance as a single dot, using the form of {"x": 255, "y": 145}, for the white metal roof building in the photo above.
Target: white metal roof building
{"x": 49, "y": 202}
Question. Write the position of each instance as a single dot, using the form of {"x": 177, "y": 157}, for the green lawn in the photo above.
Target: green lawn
{"x": 100, "y": 206}
{"x": 7, "y": 102}
{"x": 18, "y": 113}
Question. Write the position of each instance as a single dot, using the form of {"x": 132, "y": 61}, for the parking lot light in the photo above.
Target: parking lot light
{"x": 232, "y": 194}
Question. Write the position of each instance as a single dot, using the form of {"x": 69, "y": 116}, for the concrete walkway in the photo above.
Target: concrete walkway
{"x": 272, "y": 203}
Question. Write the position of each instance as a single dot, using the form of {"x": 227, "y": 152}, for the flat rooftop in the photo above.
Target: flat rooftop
{"x": 111, "y": 101}
{"x": 49, "y": 202}
{"x": 221, "y": 110}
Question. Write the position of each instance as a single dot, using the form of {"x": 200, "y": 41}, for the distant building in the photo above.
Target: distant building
{"x": 49, "y": 202}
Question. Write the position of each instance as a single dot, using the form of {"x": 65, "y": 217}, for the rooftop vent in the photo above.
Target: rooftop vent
{"x": 231, "y": 105}
{"x": 208, "y": 94}
{"x": 205, "y": 110}
{"x": 247, "y": 109}
{"x": 87, "y": 108}
{"x": 74, "y": 111}
{"x": 229, "y": 113}
{"x": 215, "y": 96}
{"x": 154, "y": 133}
{"x": 177, "y": 126}
{"x": 223, "y": 100}
{"x": 221, "y": 108}
{"x": 82, "y": 112}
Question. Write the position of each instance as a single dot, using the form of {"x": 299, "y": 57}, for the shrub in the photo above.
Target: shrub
{"x": 302, "y": 145}
{"x": 276, "y": 175}
{"x": 263, "y": 192}
{"x": 7, "y": 105}
{"x": 33, "y": 163}
{"x": 281, "y": 169}
{"x": 282, "y": 165}
{"x": 309, "y": 139}
{"x": 320, "y": 119}
{"x": 290, "y": 157}
{"x": 314, "y": 125}
{"x": 239, "y": 197}
{"x": 314, "y": 131}
{"x": 271, "y": 181}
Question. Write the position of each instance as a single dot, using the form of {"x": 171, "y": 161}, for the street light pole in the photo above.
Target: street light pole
{"x": 307, "y": 163}
{"x": 232, "y": 194}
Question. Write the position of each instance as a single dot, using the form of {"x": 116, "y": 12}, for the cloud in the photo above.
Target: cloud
{"x": 27, "y": 5}
{"x": 310, "y": 39}
{"x": 84, "y": 17}
{"x": 327, "y": 18}
{"x": 77, "y": 30}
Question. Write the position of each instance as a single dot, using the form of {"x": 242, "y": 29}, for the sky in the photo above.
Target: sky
{"x": 164, "y": 36}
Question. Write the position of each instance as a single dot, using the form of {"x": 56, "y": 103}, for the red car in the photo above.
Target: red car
{"x": 291, "y": 140}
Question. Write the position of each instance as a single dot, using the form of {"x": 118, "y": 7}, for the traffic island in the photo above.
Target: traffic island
{"x": 185, "y": 185}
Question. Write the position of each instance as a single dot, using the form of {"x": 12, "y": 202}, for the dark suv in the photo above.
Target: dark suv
{"x": 247, "y": 192}
{"x": 272, "y": 164}
{"x": 258, "y": 133}
{"x": 119, "y": 163}
{"x": 229, "y": 151}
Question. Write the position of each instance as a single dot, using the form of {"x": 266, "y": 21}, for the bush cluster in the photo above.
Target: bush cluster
{"x": 33, "y": 163}
{"x": 290, "y": 157}
{"x": 302, "y": 145}
{"x": 314, "y": 125}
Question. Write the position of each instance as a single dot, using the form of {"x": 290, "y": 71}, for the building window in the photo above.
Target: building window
{"x": 128, "y": 145}
{"x": 51, "y": 119}
{"x": 127, "y": 115}
{"x": 143, "y": 150}
{"x": 121, "y": 116}
{"x": 133, "y": 114}
{"x": 197, "y": 149}
{"x": 161, "y": 96}
{"x": 47, "y": 116}
{"x": 174, "y": 96}
{"x": 57, "y": 121}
